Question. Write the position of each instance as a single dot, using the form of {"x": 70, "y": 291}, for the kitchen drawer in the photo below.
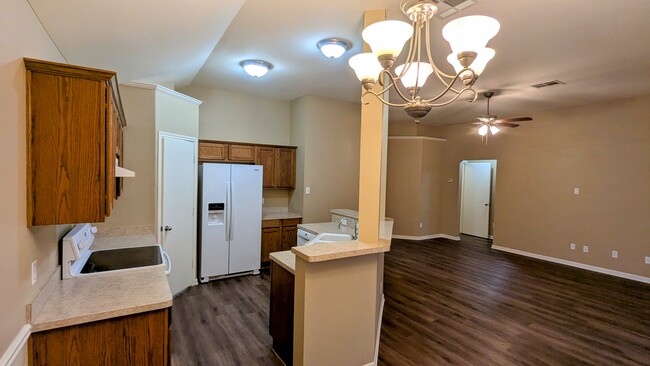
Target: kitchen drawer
{"x": 270, "y": 223}
{"x": 290, "y": 222}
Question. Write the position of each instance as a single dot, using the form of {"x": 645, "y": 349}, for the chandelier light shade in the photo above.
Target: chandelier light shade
{"x": 334, "y": 47}
{"x": 256, "y": 68}
{"x": 470, "y": 33}
{"x": 387, "y": 38}
{"x": 467, "y": 36}
{"x": 416, "y": 74}
{"x": 483, "y": 57}
{"x": 367, "y": 68}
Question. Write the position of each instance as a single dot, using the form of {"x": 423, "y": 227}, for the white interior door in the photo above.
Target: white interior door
{"x": 178, "y": 186}
{"x": 475, "y": 199}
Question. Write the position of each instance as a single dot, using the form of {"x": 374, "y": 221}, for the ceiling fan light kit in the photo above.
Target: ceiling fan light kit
{"x": 490, "y": 123}
{"x": 467, "y": 36}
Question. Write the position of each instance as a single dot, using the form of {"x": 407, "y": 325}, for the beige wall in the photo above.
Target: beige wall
{"x": 414, "y": 185}
{"x": 326, "y": 132}
{"x": 231, "y": 116}
{"x": 22, "y": 36}
{"x": 148, "y": 109}
{"x": 137, "y": 204}
{"x": 604, "y": 149}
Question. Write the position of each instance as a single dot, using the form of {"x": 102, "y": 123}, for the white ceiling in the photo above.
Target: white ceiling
{"x": 598, "y": 47}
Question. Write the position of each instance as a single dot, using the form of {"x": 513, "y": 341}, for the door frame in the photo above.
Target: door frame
{"x": 461, "y": 182}
{"x": 159, "y": 189}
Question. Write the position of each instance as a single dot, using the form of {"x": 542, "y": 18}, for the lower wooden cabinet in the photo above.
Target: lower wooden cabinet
{"x": 139, "y": 339}
{"x": 278, "y": 235}
{"x": 281, "y": 312}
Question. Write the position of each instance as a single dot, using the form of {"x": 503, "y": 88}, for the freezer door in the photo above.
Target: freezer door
{"x": 214, "y": 249}
{"x": 246, "y": 218}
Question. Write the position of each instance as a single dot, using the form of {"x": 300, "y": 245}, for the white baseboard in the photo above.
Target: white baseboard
{"x": 588, "y": 267}
{"x": 16, "y": 346}
{"x": 425, "y": 237}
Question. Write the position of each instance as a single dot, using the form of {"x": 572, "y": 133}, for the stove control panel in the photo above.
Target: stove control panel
{"x": 79, "y": 240}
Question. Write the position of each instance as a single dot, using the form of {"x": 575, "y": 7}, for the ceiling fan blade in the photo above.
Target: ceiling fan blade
{"x": 506, "y": 124}
{"x": 483, "y": 119}
{"x": 516, "y": 119}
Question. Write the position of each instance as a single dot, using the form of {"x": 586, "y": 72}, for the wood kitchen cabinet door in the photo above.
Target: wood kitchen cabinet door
{"x": 211, "y": 151}
{"x": 266, "y": 158}
{"x": 73, "y": 116}
{"x": 241, "y": 153}
{"x": 289, "y": 237}
{"x": 271, "y": 242}
{"x": 285, "y": 168}
{"x": 139, "y": 339}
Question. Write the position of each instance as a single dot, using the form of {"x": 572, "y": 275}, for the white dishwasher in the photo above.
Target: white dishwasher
{"x": 304, "y": 237}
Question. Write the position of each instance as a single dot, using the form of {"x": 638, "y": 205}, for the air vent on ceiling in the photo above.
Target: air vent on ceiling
{"x": 548, "y": 83}
{"x": 447, "y": 8}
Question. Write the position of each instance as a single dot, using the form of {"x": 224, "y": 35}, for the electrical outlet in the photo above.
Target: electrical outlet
{"x": 34, "y": 274}
{"x": 576, "y": 191}
{"x": 420, "y": 225}
{"x": 647, "y": 260}
{"x": 585, "y": 248}
{"x": 572, "y": 246}
{"x": 614, "y": 254}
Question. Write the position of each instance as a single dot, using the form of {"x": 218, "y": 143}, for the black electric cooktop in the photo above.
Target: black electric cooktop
{"x": 123, "y": 258}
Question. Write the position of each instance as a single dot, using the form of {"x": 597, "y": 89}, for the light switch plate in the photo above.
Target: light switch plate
{"x": 307, "y": 190}
{"x": 647, "y": 260}
{"x": 576, "y": 191}
{"x": 614, "y": 254}
{"x": 572, "y": 246}
{"x": 585, "y": 248}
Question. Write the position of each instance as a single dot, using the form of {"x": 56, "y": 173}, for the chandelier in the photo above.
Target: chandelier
{"x": 467, "y": 36}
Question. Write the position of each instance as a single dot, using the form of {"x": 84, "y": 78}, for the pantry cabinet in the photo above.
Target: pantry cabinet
{"x": 74, "y": 138}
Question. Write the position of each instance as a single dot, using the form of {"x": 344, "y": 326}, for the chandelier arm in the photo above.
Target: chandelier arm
{"x": 439, "y": 72}
{"x": 409, "y": 58}
{"x": 397, "y": 89}
{"x": 449, "y": 87}
{"x": 382, "y": 99}
{"x": 454, "y": 98}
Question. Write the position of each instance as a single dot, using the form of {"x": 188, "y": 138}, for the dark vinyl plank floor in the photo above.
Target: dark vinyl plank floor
{"x": 463, "y": 303}
{"x": 447, "y": 303}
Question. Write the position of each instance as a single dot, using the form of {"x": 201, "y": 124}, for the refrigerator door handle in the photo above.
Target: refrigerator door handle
{"x": 230, "y": 219}
{"x": 228, "y": 211}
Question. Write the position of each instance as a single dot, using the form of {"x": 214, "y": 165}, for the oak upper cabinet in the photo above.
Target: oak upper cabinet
{"x": 266, "y": 158}
{"x": 241, "y": 153}
{"x": 279, "y": 166}
{"x": 74, "y": 126}
{"x": 285, "y": 168}
{"x": 213, "y": 151}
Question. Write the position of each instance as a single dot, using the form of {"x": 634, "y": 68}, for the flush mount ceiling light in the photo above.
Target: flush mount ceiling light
{"x": 256, "y": 68}
{"x": 467, "y": 36}
{"x": 334, "y": 47}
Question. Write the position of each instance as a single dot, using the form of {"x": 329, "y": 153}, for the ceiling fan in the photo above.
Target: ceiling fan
{"x": 490, "y": 123}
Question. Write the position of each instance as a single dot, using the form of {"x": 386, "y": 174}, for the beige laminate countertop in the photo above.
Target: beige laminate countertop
{"x": 286, "y": 259}
{"x": 344, "y": 249}
{"x": 279, "y": 214}
{"x": 325, "y": 227}
{"x": 103, "y": 296}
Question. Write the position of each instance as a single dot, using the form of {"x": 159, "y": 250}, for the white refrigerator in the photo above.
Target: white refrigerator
{"x": 230, "y": 225}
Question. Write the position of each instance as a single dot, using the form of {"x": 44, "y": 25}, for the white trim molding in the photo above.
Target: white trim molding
{"x": 16, "y": 346}
{"x": 426, "y": 138}
{"x": 588, "y": 267}
{"x": 162, "y": 89}
{"x": 426, "y": 237}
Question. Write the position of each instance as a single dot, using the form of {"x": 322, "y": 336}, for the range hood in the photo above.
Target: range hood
{"x": 122, "y": 172}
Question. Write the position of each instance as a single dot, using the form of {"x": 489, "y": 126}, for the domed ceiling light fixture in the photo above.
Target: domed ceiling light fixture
{"x": 256, "y": 68}
{"x": 333, "y": 47}
{"x": 467, "y": 36}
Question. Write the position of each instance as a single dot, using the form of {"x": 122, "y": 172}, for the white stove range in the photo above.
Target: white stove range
{"x": 79, "y": 260}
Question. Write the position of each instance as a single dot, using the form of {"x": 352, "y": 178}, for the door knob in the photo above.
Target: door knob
{"x": 485, "y": 205}
{"x": 168, "y": 228}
